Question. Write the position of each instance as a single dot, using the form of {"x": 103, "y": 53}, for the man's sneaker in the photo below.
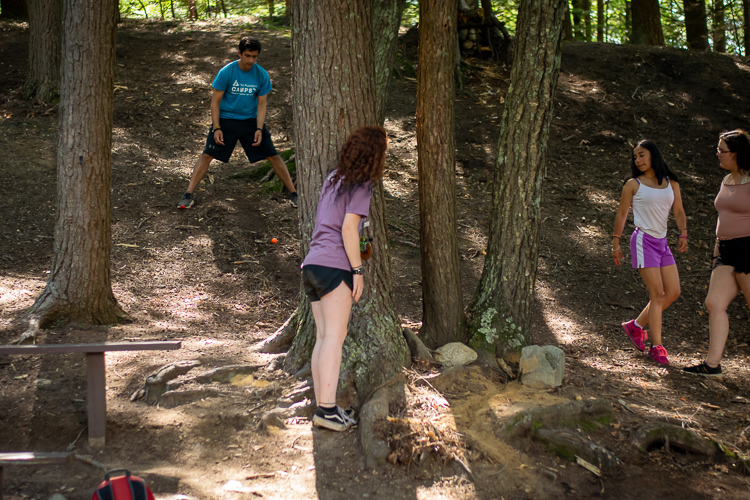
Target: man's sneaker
{"x": 186, "y": 201}
{"x": 704, "y": 370}
{"x": 338, "y": 420}
{"x": 293, "y": 199}
{"x": 635, "y": 334}
{"x": 658, "y": 354}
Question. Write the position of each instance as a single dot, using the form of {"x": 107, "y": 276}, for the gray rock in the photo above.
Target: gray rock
{"x": 416, "y": 347}
{"x": 455, "y": 354}
{"x": 57, "y": 496}
{"x": 542, "y": 367}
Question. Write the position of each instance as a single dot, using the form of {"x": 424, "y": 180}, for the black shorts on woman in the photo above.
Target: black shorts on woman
{"x": 735, "y": 253}
{"x": 321, "y": 280}
{"x": 243, "y": 131}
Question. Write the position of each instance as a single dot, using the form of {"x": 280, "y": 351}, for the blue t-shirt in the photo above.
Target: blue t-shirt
{"x": 327, "y": 244}
{"x": 241, "y": 90}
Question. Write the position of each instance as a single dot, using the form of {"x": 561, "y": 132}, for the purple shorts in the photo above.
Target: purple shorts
{"x": 647, "y": 251}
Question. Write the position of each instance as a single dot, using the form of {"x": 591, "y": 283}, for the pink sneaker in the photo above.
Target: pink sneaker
{"x": 635, "y": 334}
{"x": 658, "y": 354}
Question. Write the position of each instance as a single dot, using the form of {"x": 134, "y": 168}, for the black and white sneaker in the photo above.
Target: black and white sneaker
{"x": 186, "y": 201}
{"x": 335, "y": 420}
{"x": 294, "y": 200}
{"x": 705, "y": 370}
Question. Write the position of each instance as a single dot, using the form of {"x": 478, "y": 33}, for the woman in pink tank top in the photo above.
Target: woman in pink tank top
{"x": 730, "y": 270}
{"x": 653, "y": 192}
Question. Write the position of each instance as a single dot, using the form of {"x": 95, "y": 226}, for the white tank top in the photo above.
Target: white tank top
{"x": 651, "y": 208}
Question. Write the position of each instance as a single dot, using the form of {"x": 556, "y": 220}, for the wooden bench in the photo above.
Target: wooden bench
{"x": 33, "y": 458}
{"x": 96, "y": 397}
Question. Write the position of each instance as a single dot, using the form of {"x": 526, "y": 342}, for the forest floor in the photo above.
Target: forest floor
{"x": 211, "y": 277}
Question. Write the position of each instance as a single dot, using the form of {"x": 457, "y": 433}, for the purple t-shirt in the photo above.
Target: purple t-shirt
{"x": 327, "y": 245}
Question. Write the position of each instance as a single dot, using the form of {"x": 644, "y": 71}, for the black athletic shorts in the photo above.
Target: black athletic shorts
{"x": 321, "y": 280}
{"x": 735, "y": 253}
{"x": 243, "y": 131}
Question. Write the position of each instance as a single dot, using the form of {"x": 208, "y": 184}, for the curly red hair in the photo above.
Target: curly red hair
{"x": 362, "y": 157}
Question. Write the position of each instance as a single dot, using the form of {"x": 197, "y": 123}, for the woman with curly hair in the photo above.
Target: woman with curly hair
{"x": 332, "y": 270}
{"x": 730, "y": 270}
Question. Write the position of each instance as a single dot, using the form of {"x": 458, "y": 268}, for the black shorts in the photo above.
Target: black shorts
{"x": 735, "y": 253}
{"x": 243, "y": 131}
{"x": 321, "y": 280}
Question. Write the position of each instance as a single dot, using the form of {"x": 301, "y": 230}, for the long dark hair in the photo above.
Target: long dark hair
{"x": 660, "y": 166}
{"x": 738, "y": 142}
{"x": 362, "y": 158}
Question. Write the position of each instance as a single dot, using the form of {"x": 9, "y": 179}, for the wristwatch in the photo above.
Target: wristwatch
{"x": 360, "y": 271}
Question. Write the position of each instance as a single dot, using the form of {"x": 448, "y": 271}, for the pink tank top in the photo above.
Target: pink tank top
{"x": 733, "y": 205}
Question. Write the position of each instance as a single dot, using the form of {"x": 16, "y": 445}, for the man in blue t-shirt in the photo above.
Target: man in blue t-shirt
{"x": 238, "y": 113}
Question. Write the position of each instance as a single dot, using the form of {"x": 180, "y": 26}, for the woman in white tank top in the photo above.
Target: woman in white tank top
{"x": 653, "y": 192}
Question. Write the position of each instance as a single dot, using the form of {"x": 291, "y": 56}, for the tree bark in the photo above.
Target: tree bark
{"x": 334, "y": 93}
{"x": 386, "y": 22}
{"x": 79, "y": 287}
{"x": 14, "y": 9}
{"x": 696, "y": 28}
{"x": 746, "y": 16}
{"x": 718, "y": 33}
{"x": 443, "y": 317}
{"x": 45, "y": 50}
{"x": 501, "y": 309}
{"x": 646, "y": 22}
{"x": 567, "y": 24}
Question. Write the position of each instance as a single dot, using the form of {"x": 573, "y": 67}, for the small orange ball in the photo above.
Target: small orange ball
{"x": 274, "y": 240}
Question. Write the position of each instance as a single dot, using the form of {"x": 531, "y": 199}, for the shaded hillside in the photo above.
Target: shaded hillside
{"x": 211, "y": 278}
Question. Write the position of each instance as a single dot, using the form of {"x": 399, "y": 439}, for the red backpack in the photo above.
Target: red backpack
{"x": 122, "y": 487}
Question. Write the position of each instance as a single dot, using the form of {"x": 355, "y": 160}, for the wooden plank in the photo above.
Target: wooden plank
{"x": 93, "y": 347}
{"x": 36, "y": 458}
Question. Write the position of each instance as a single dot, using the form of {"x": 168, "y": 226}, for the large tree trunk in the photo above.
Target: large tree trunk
{"x": 746, "y": 16}
{"x": 79, "y": 287}
{"x": 443, "y": 309}
{"x": 696, "y": 28}
{"x": 501, "y": 310}
{"x": 646, "y": 22}
{"x": 334, "y": 93}
{"x": 45, "y": 42}
{"x": 15, "y": 9}
{"x": 718, "y": 34}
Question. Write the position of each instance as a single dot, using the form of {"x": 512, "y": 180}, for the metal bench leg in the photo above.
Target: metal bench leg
{"x": 96, "y": 398}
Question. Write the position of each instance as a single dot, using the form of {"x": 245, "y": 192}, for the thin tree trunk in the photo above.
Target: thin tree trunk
{"x": 567, "y": 24}
{"x": 696, "y": 28}
{"x": 646, "y": 22}
{"x": 386, "y": 22}
{"x": 334, "y": 93}
{"x": 600, "y": 20}
{"x": 718, "y": 33}
{"x": 45, "y": 42}
{"x": 501, "y": 310}
{"x": 746, "y": 16}
{"x": 443, "y": 317}
{"x": 586, "y": 13}
{"x": 79, "y": 287}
